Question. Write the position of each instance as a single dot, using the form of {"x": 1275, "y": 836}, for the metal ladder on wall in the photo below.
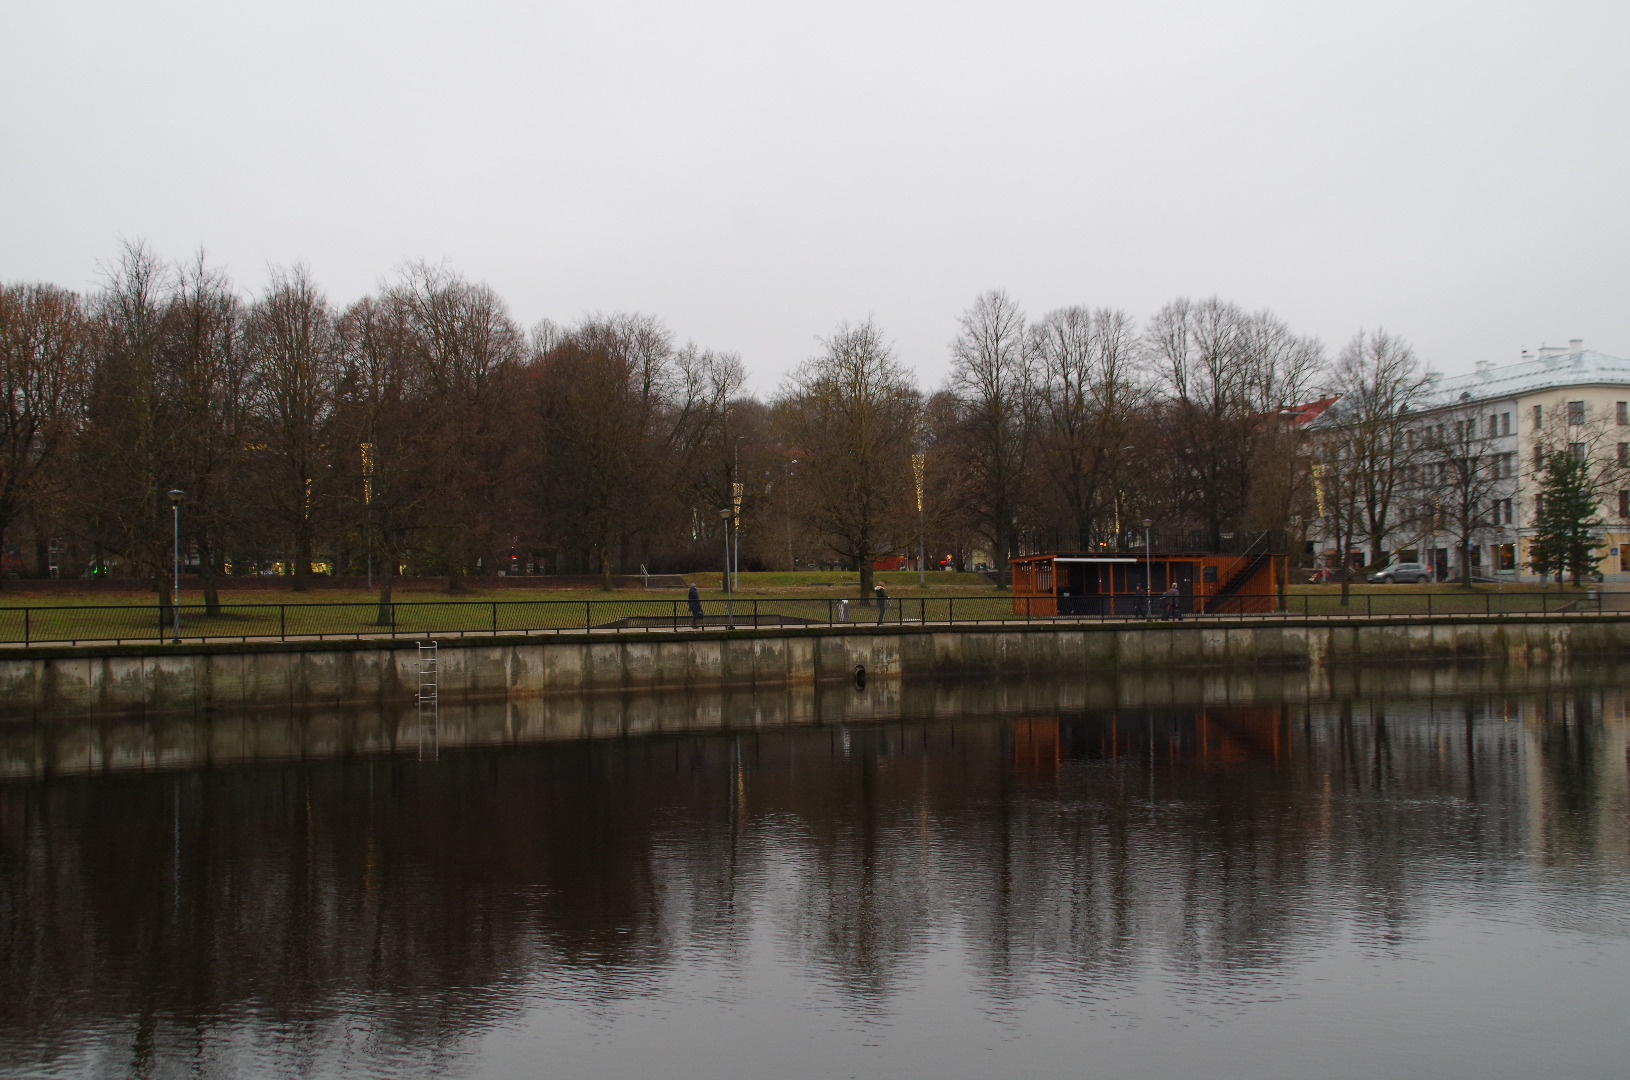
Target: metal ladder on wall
{"x": 428, "y": 697}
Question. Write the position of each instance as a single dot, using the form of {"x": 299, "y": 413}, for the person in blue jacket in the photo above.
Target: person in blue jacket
{"x": 694, "y": 599}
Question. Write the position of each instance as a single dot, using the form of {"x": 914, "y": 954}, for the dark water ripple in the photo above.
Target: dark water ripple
{"x": 1374, "y": 884}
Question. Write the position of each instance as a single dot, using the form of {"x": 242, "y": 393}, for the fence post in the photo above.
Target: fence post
{"x": 25, "y": 627}
{"x": 588, "y": 620}
{"x": 282, "y": 622}
{"x": 950, "y": 609}
{"x": 495, "y": 618}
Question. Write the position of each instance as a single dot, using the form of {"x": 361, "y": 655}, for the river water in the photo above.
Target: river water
{"x": 1250, "y": 879}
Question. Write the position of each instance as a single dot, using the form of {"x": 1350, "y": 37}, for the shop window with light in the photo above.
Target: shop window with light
{"x": 1506, "y": 557}
{"x": 1624, "y": 558}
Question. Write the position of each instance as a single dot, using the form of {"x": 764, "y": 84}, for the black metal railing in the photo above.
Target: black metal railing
{"x": 120, "y": 624}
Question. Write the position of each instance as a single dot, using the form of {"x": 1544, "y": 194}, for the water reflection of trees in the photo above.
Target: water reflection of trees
{"x": 1066, "y": 852}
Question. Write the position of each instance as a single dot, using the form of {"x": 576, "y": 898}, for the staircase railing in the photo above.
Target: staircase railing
{"x": 1238, "y": 571}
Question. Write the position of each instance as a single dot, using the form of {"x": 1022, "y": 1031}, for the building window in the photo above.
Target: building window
{"x": 1539, "y": 508}
{"x": 1624, "y": 504}
{"x": 1576, "y": 412}
{"x": 1494, "y": 425}
{"x": 1576, "y": 450}
{"x": 1506, "y": 557}
{"x": 1505, "y": 511}
{"x": 1505, "y": 423}
{"x": 1621, "y": 412}
{"x": 1539, "y": 457}
{"x": 1624, "y": 453}
{"x": 1539, "y": 416}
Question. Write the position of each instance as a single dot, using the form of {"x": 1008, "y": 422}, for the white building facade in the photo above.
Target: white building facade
{"x": 1558, "y": 398}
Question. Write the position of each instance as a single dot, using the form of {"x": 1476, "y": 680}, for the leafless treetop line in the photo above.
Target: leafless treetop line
{"x": 423, "y": 431}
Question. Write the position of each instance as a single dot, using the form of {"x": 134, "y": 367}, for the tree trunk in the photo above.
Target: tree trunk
{"x": 166, "y": 604}
{"x": 605, "y": 567}
{"x": 302, "y": 557}
{"x": 385, "y": 615}
{"x": 866, "y": 578}
{"x": 206, "y": 574}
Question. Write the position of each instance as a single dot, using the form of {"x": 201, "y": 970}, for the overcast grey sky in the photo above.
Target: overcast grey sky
{"x": 753, "y": 173}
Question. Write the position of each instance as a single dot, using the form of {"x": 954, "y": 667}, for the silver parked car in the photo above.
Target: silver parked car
{"x": 1400, "y": 572}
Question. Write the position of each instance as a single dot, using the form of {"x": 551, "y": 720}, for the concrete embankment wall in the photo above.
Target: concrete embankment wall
{"x": 85, "y": 743}
{"x": 227, "y": 676}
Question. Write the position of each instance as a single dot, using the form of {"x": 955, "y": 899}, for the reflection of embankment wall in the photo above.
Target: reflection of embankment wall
{"x": 221, "y": 677}
{"x": 87, "y": 741}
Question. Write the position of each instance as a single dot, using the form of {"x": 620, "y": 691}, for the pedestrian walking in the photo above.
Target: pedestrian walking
{"x": 694, "y": 599}
{"x": 1174, "y": 604}
{"x": 882, "y": 602}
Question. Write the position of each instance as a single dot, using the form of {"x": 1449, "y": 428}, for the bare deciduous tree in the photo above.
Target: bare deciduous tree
{"x": 852, "y": 412}
{"x": 45, "y": 339}
{"x": 1380, "y": 385}
{"x": 296, "y": 368}
{"x": 1461, "y": 477}
{"x": 990, "y": 386}
{"x": 1227, "y": 375}
{"x": 1086, "y": 400}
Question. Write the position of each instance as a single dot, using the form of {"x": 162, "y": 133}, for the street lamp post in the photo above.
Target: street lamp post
{"x": 736, "y": 491}
{"x": 176, "y": 495}
{"x": 729, "y": 593}
{"x": 1148, "y": 571}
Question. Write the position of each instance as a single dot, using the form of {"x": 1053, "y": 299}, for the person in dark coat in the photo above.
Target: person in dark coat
{"x": 695, "y": 602}
{"x": 882, "y": 602}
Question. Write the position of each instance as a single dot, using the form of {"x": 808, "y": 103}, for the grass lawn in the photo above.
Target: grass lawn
{"x": 425, "y": 606}
{"x": 431, "y": 590}
{"x": 1434, "y": 599}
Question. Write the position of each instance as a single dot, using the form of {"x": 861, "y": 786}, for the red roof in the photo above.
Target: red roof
{"x": 1308, "y": 412}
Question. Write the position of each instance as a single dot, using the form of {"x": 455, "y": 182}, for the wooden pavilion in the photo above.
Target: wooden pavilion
{"x": 1130, "y": 583}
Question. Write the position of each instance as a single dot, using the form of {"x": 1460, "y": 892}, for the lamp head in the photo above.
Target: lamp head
{"x": 1147, "y": 522}
{"x": 724, "y": 515}
{"x": 176, "y": 495}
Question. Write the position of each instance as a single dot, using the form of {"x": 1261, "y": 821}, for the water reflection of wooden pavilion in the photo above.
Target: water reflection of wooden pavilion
{"x": 1131, "y": 582}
